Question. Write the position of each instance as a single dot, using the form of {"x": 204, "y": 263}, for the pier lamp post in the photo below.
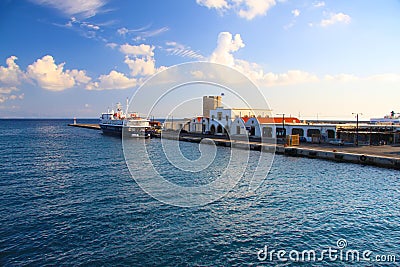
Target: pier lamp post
{"x": 283, "y": 124}
{"x": 357, "y": 114}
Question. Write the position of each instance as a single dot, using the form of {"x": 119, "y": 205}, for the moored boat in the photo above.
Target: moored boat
{"x": 129, "y": 124}
{"x": 393, "y": 118}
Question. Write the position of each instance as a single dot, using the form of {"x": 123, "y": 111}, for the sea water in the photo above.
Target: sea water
{"x": 67, "y": 198}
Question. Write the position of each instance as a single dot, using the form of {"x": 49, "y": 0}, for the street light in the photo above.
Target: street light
{"x": 283, "y": 124}
{"x": 354, "y": 113}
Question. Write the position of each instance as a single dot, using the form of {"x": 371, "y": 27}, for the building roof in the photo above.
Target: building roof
{"x": 245, "y": 119}
{"x": 200, "y": 118}
{"x": 278, "y": 120}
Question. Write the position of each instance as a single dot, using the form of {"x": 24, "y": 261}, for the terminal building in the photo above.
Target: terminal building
{"x": 256, "y": 123}
{"x": 260, "y": 123}
{"x": 277, "y": 127}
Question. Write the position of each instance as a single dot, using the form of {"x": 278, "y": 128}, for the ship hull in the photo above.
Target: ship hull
{"x": 119, "y": 130}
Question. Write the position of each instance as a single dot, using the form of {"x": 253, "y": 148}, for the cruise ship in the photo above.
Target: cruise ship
{"x": 393, "y": 118}
{"x": 130, "y": 124}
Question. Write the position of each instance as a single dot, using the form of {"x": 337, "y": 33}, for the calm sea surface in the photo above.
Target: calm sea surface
{"x": 67, "y": 198}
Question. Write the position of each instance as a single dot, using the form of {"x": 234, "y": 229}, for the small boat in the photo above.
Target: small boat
{"x": 129, "y": 124}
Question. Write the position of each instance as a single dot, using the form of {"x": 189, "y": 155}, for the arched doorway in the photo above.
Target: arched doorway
{"x": 219, "y": 129}
{"x": 212, "y": 129}
{"x": 252, "y": 131}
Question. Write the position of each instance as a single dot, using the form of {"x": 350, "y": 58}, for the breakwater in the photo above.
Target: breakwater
{"x": 85, "y": 125}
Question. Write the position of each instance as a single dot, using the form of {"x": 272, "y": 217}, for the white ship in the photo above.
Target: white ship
{"x": 130, "y": 124}
{"x": 393, "y": 118}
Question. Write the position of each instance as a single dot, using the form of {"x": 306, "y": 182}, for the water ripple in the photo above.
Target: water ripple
{"x": 67, "y": 199}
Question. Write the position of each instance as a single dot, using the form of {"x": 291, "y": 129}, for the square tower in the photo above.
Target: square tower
{"x": 211, "y": 103}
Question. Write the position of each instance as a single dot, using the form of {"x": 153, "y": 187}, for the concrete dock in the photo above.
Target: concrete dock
{"x": 83, "y": 125}
{"x": 379, "y": 156}
{"x": 363, "y": 155}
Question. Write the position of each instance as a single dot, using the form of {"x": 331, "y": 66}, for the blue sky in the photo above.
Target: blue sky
{"x": 65, "y": 58}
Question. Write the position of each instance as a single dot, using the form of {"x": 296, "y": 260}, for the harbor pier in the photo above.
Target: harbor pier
{"x": 85, "y": 125}
{"x": 379, "y": 156}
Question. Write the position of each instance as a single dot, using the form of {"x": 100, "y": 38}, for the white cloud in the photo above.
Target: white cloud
{"x": 336, "y": 18}
{"x": 226, "y": 45}
{"x": 261, "y": 78}
{"x": 176, "y": 49}
{"x": 7, "y": 90}
{"x": 253, "y": 8}
{"x": 112, "y": 45}
{"x": 81, "y": 8}
{"x": 197, "y": 74}
{"x": 122, "y": 31}
{"x": 5, "y": 94}
{"x": 79, "y": 76}
{"x": 140, "y": 61}
{"x": 141, "y": 66}
{"x": 217, "y": 4}
{"x": 137, "y": 50}
{"x": 172, "y": 43}
{"x": 52, "y": 77}
{"x": 319, "y": 4}
{"x": 142, "y": 33}
{"x": 385, "y": 77}
{"x": 288, "y": 78}
{"x": 296, "y": 12}
{"x": 71, "y": 22}
{"x": 92, "y": 26}
{"x": 83, "y": 24}
{"x": 14, "y": 97}
{"x": 155, "y": 32}
{"x": 223, "y": 54}
{"x": 113, "y": 80}
{"x": 248, "y": 9}
{"x": 84, "y": 28}
{"x": 382, "y": 78}
{"x": 343, "y": 77}
{"x": 11, "y": 75}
